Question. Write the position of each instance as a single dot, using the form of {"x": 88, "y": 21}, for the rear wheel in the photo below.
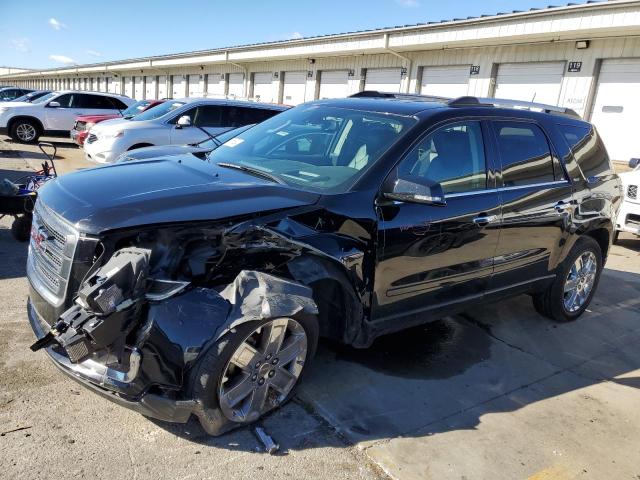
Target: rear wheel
{"x": 25, "y": 131}
{"x": 252, "y": 370}
{"x": 21, "y": 228}
{"x": 575, "y": 284}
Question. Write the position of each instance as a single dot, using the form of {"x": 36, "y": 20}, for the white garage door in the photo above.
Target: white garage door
{"x": 236, "y": 85}
{"x": 215, "y": 85}
{"x": 113, "y": 85}
{"x": 334, "y": 84}
{"x": 128, "y": 86}
{"x": 137, "y": 88}
{"x": 263, "y": 89}
{"x": 179, "y": 84}
{"x": 150, "y": 88}
{"x": 196, "y": 86}
{"x": 531, "y": 82}
{"x": 295, "y": 88}
{"x": 162, "y": 86}
{"x": 102, "y": 84}
{"x": 383, "y": 79}
{"x": 451, "y": 82}
{"x": 616, "y": 109}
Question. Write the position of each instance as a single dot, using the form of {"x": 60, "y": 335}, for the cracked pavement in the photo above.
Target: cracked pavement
{"x": 497, "y": 392}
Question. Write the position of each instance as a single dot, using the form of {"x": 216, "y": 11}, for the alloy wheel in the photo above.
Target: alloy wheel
{"x": 26, "y": 132}
{"x": 263, "y": 370}
{"x": 580, "y": 281}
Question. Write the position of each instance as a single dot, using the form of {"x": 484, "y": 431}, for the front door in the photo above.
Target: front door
{"x": 432, "y": 257}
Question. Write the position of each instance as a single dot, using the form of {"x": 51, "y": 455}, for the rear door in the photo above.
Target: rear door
{"x": 537, "y": 204}
{"x": 432, "y": 257}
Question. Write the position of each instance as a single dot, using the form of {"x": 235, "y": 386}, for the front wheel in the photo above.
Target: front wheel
{"x": 25, "y": 131}
{"x": 252, "y": 370}
{"x": 575, "y": 284}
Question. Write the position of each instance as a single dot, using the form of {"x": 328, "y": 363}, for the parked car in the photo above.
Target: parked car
{"x": 11, "y": 93}
{"x": 628, "y": 219}
{"x": 54, "y": 114}
{"x": 175, "y": 122}
{"x": 200, "y": 149}
{"x": 178, "y": 287}
{"x": 84, "y": 123}
{"x": 31, "y": 96}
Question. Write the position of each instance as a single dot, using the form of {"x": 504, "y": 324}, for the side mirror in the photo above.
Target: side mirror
{"x": 634, "y": 163}
{"x": 54, "y": 104}
{"x": 429, "y": 193}
{"x": 184, "y": 121}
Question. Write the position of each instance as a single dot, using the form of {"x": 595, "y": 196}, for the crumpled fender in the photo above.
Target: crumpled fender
{"x": 178, "y": 330}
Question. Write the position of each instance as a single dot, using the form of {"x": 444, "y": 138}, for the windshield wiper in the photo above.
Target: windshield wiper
{"x": 254, "y": 171}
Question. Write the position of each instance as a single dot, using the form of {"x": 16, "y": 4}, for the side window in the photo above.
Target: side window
{"x": 452, "y": 156}
{"x": 525, "y": 154}
{"x": 64, "y": 100}
{"x": 587, "y": 149}
{"x": 191, "y": 112}
{"x": 207, "y": 116}
{"x": 114, "y": 103}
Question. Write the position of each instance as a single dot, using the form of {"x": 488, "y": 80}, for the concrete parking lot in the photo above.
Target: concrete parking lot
{"x": 497, "y": 393}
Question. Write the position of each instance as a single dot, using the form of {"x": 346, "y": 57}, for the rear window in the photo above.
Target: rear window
{"x": 525, "y": 154}
{"x": 588, "y": 150}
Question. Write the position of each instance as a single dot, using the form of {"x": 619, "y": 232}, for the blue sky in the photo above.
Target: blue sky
{"x": 46, "y": 33}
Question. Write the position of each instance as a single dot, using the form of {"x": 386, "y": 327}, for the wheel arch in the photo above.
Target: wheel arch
{"x": 17, "y": 118}
{"x": 140, "y": 145}
{"x": 601, "y": 235}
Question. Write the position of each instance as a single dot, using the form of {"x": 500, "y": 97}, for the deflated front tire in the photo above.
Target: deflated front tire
{"x": 251, "y": 370}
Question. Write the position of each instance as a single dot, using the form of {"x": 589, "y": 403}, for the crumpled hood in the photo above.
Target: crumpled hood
{"x": 180, "y": 188}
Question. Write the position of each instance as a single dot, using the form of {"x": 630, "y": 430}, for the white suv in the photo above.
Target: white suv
{"x": 174, "y": 122}
{"x": 54, "y": 114}
{"x": 628, "y": 219}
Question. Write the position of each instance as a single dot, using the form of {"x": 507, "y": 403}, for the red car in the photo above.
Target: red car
{"x": 83, "y": 123}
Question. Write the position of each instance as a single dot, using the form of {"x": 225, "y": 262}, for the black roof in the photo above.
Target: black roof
{"x": 396, "y": 106}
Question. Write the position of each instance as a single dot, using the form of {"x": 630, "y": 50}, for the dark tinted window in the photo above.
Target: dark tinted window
{"x": 65, "y": 100}
{"x": 239, "y": 116}
{"x": 191, "y": 113}
{"x": 10, "y": 94}
{"x": 117, "y": 103}
{"x": 525, "y": 154}
{"x": 93, "y": 101}
{"x": 587, "y": 149}
{"x": 208, "y": 116}
{"x": 452, "y": 156}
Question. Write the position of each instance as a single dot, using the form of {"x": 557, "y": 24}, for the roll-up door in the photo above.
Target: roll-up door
{"x": 196, "y": 85}
{"x": 162, "y": 87}
{"x": 215, "y": 85}
{"x": 334, "y": 84}
{"x": 236, "y": 84}
{"x": 295, "y": 88}
{"x": 128, "y": 86}
{"x": 150, "y": 88}
{"x": 179, "y": 83}
{"x": 263, "y": 89}
{"x": 138, "y": 93}
{"x": 532, "y": 82}
{"x": 452, "y": 81}
{"x": 616, "y": 109}
{"x": 383, "y": 79}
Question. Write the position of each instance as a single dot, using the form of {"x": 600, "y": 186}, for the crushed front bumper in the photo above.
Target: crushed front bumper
{"x": 97, "y": 378}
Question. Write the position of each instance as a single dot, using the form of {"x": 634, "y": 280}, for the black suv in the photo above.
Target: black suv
{"x": 184, "y": 286}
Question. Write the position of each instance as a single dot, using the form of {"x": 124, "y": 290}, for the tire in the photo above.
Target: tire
{"x": 552, "y": 303}
{"x": 25, "y": 131}
{"x": 213, "y": 373}
{"x": 21, "y": 228}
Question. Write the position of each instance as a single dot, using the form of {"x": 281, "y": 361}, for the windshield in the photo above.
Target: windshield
{"x": 316, "y": 147}
{"x": 218, "y": 140}
{"x": 29, "y": 97}
{"x": 158, "y": 111}
{"x": 46, "y": 97}
{"x": 136, "y": 108}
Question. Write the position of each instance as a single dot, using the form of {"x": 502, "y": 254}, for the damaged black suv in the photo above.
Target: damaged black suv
{"x": 183, "y": 286}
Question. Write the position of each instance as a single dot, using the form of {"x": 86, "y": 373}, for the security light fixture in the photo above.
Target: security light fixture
{"x": 582, "y": 44}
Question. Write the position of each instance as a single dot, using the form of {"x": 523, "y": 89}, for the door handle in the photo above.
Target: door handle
{"x": 483, "y": 220}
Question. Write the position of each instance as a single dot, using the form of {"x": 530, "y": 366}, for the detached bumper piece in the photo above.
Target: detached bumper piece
{"x": 106, "y": 309}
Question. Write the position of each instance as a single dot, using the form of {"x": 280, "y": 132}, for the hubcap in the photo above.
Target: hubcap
{"x": 263, "y": 370}
{"x": 25, "y": 132}
{"x": 579, "y": 282}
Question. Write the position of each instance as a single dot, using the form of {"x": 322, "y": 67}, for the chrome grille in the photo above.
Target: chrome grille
{"x": 91, "y": 138}
{"x": 51, "y": 250}
{"x": 632, "y": 192}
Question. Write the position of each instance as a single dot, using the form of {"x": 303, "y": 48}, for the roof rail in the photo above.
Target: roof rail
{"x": 517, "y": 104}
{"x": 400, "y": 96}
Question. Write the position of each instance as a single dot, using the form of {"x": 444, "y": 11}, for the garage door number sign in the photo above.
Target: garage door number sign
{"x": 575, "y": 67}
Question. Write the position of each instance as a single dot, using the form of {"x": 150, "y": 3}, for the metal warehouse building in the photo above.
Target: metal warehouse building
{"x": 586, "y": 57}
